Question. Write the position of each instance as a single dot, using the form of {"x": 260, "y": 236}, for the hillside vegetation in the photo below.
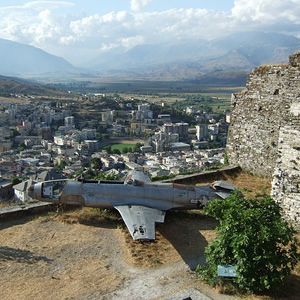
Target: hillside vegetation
{"x": 10, "y": 86}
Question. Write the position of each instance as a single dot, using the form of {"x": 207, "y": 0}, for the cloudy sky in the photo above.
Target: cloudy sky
{"x": 79, "y": 30}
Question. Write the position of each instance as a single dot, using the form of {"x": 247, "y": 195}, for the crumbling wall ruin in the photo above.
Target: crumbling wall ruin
{"x": 264, "y": 135}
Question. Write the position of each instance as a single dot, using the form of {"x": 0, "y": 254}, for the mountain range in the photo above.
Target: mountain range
{"x": 206, "y": 61}
{"x": 23, "y": 60}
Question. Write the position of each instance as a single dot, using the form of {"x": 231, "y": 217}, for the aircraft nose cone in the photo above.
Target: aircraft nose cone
{"x": 34, "y": 191}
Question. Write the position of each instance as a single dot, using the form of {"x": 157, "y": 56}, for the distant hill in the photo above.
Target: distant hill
{"x": 233, "y": 60}
{"x": 224, "y": 78}
{"x": 10, "y": 85}
{"x": 19, "y": 60}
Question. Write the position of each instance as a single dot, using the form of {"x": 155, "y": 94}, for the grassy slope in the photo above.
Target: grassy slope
{"x": 14, "y": 87}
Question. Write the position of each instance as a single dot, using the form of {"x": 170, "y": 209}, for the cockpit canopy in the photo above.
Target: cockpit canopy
{"x": 53, "y": 189}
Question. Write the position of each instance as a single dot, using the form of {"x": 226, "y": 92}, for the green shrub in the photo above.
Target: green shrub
{"x": 254, "y": 238}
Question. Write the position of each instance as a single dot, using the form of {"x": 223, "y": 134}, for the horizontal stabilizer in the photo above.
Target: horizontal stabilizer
{"x": 223, "y": 185}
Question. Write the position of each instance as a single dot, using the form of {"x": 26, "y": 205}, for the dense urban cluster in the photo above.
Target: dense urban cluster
{"x": 45, "y": 140}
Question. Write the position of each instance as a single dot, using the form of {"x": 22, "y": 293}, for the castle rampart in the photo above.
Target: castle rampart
{"x": 264, "y": 135}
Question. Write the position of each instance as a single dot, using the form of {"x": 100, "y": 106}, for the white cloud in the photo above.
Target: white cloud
{"x": 138, "y": 5}
{"x": 37, "y": 5}
{"x": 33, "y": 23}
{"x": 133, "y": 41}
{"x": 108, "y": 47}
{"x": 67, "y": 40}
{"x": 267, "y": 11}
{"x": 41, "y": 24}
{"x": 267, "y": 15}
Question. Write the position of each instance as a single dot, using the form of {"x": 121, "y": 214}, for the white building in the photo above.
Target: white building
{"x": 201, "y": 132}
{"x": 21, "y": 190}
{"x": 190, "y": 110}
{"x": 69, "y": 122}
{"x": 59, "y": 140}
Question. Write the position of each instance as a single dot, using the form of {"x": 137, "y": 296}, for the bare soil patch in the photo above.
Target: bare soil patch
{"x": 45, "y": 259}
{"x": 88, "y": 253}
{"x": 181, "y": 236}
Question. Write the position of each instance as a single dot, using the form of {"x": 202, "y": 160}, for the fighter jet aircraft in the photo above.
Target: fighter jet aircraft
{"x": 140, "y": 202}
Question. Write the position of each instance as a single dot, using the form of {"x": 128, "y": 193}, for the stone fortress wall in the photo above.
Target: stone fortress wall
{"x": 264, "y": 135}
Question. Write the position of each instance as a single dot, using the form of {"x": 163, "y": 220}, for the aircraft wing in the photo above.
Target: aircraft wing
{"x": 140, "y": 220}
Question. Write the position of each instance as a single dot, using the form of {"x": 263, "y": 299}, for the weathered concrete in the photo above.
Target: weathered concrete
{"x": 19, "y": 210}
{"x": 264, "y": 135}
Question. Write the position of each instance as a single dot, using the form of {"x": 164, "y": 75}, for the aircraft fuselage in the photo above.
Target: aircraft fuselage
{"x": 105, "y": 195}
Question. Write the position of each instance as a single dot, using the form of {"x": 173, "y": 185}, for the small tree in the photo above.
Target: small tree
{"x": 59, "y": 167}
{"x": 254, "y": 238}
{"x": 62, "y": 164}
{"x": 116, "y": 151}
{"x": 22, "y": 147}
{"x": 89, "y": 174}
{"x": 106, "y": 176}
{"x": 96, "y": 163}
{"x": 137, "y": 147}
{"x": 15, "y": 180}
{"x": 85, "y": 164}
{"x": 108, "y": 149}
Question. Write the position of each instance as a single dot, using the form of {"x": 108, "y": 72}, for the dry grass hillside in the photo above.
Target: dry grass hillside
{"x": 20, "y": 86}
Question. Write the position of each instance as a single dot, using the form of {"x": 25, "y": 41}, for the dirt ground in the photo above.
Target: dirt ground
{"x": 88, "y": 254}
{"x": 73, "y": 255}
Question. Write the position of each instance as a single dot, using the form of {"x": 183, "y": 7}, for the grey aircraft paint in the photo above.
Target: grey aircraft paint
{"x": 140, "y": 202}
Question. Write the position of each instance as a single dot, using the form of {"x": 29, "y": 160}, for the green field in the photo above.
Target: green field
{"x": 168, "y": 92}
{"x": 120, "y": 147}
{"x": 220, "y": 100}
{"x": 148, "y": 88}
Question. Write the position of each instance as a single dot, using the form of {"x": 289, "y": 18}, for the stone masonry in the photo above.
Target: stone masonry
{"x": 264, "y": 135}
